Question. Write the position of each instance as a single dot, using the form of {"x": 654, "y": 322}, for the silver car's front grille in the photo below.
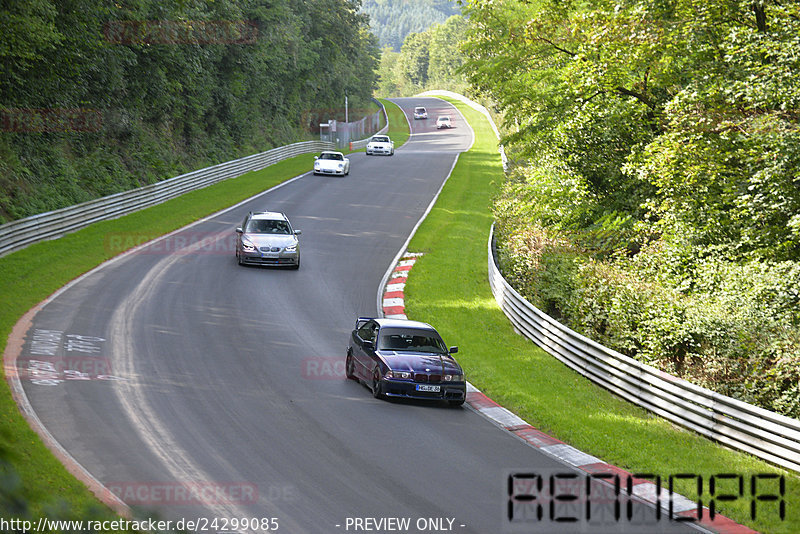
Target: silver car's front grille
{"x": 270, "y": 249}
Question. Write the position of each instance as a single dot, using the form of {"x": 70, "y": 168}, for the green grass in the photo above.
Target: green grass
{"x": 30, "y": 275}
{"x": 399, "y": 125}
{"x": 448, "y": 288}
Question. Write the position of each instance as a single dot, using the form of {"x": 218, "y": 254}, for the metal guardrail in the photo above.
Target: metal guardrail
{"x": 18, "y": 234}
{"x": 736, "y": 424}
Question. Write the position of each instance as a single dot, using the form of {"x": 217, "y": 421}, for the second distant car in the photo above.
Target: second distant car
{"x": 380, "y": 144}
{"x": 420, "y": 113}
{"x": 332, "y": 163}
{"x": 443, "y": 122}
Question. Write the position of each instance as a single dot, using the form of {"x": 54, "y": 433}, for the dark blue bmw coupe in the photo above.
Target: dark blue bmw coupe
{"x": 402, "y": 358}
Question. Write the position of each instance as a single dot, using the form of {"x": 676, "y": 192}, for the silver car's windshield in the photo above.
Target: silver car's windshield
{"x": 337, "y": 157}
{"x": 410, "y": 340}
{"x": 265, "y": 226}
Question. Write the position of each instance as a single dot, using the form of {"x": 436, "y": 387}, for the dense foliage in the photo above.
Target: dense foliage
{"x": 655, "y": 200}
{"x": 393, "y": 20}
{"x": 98, "y": 98}
{"x": 428, "y": 60}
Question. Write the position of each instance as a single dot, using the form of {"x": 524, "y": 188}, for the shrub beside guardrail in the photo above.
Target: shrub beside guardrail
{"x": 765, "y": 434}
{"x": 736, "y": 424}
{"x": 18, "y": 234}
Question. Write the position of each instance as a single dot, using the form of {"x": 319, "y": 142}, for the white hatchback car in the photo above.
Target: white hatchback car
{"x": 332, "y": 163}
{"x": 443, "y": 122}
{"x": 380, "y": 144}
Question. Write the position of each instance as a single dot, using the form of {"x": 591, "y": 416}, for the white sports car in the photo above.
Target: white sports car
{"x": 443, "y": 122}
{"x": 332, "y": 163}
{"x": 380, "y": 144}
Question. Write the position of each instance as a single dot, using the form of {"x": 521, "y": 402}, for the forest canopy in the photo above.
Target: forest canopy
{"x": 98, "y": 98}
{"x": 428, "y": 60}
{"x": 393, "y": 20}
{"x": 654, "y": 196}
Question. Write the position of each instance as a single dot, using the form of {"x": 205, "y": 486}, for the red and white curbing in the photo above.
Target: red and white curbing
{"x": 394, "y": 307}
{"x": 393, "y": 293}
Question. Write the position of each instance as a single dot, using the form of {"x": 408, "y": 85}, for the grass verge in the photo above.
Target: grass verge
{"x": 33, "y": 483}
{"x": 449, "y": 288}
{"x": 399, "y": 131}
{"x": 398, "y": 125}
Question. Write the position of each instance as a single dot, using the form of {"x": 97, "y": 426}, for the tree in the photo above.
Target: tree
{"x": 414, "y": 58}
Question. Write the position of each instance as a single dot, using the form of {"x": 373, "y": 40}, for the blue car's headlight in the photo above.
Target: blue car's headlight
{"x": 397, "y": 374}
{"x": 453, "y": 378}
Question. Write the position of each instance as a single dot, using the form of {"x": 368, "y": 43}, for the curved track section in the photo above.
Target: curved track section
{"x": 197, "y": 388}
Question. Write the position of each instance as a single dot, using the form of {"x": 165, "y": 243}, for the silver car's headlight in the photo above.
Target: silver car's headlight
{"x": 291, "y": 248}
{"x": 247, "y": 245}
{"x": 453, "y": 378}
{"x": 341, "y": 166}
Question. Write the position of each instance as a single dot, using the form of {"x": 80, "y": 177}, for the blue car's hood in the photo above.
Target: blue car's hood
{"x": 420, "y": 362}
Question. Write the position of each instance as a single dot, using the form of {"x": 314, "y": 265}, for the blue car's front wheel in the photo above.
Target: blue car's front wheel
{"x": 349, "y": 366}
{"x": 377, "y": 390}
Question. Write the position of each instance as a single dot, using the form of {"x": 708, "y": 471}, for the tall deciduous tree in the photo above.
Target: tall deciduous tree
{"x": 684, "y": 108}
{"x": 178, "y": 86}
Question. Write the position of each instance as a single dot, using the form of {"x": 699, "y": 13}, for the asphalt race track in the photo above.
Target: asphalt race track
{"x": 175, "y": 370}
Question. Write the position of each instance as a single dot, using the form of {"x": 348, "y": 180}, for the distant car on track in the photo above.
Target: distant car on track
{"x": 380, "y": 144}
{"x": 420, "y": 113}
{"x": 406, "y": 359}
{"x": 443, "y": 122}
{"x": 267, "y": 238}
{"x": 332, "y": 163}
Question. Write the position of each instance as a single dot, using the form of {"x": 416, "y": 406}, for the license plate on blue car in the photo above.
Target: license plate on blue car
{"x": 431, "y": 389}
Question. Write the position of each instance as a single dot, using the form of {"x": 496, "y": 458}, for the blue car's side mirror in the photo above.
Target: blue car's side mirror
{"x": 453, "y": 350}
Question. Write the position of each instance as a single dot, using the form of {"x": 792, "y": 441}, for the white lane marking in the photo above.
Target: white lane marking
{"x": 503, "y": 416}
{"x": 390, "y": 288}
{"x": 571, "y": 455}
{"x": 162, "y": 441}
{"x": 647, "y": 491}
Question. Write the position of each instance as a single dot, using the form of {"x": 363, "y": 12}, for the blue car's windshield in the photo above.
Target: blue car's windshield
{"x": 411, "y": 341}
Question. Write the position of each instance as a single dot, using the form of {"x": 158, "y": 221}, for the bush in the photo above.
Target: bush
{"x": 731, "y": 327}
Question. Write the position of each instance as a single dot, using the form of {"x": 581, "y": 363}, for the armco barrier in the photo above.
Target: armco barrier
{"x": 21, "y": 233}
{"x": 762, "y": 433}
